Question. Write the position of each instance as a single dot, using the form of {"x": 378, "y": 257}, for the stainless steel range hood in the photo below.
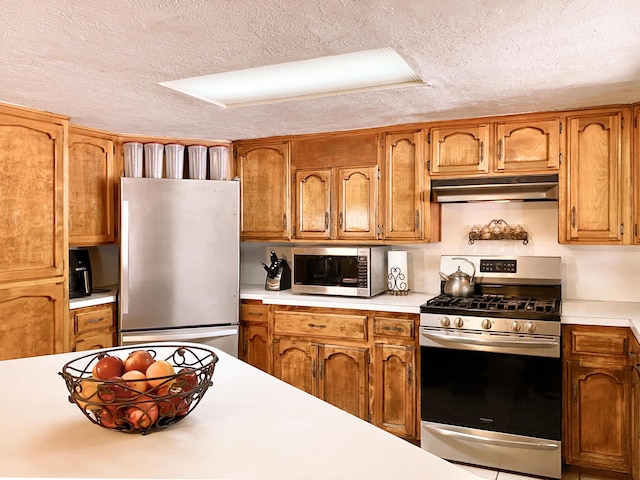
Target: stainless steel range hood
{"x": 483, "y": 189}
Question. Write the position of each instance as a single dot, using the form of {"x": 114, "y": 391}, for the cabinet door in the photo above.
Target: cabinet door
{"x": 296, "y": 362}
{"x": 636, "y": 177}
{"x": 402, "y": 179}
{"x": 92, "y": 183}
{"x": 32, "y": 321}
{"x": 32, "y": 191}
{"x": 528, "y": 146}
{"x": 343, "y": 378}
{"x": 395, "y": 406}
{"x": 459, "y": 150}
{"x": 313, "y": 204}
{"x": 264, "y": 184}
{"x": 600, "y": 417}
{"x": 594, "y": 208}
{"x": 357, "y": 202}
{"x": 255, "y": 346}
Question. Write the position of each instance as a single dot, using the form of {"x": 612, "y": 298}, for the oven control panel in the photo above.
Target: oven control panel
{"x": 498, "y": 266}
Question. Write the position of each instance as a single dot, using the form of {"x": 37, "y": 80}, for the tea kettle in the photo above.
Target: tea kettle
{"x": 459, "y": 283}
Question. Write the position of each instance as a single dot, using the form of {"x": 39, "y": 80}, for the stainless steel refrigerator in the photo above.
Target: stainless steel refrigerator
{"x": 179, "y": 261}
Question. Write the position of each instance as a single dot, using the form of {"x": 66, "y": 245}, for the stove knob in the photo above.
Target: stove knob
{"x": 530, "y": 327}
{"x": 458, "y": 322}
{"x": 444, "y": 321}
{"x": 486, "y": 324}
{"x": 515, "y": 326}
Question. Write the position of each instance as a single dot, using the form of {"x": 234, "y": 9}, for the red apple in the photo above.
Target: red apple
{"x": 188, "y": 379}
{"x": 114, "y": 389}
{"x": 138, "y": 360}
{"x": 108, "y": 367}
{"x": 143, "y": 414}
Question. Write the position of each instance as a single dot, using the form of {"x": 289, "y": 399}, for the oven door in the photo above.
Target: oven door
{"x": 492, "y": 399}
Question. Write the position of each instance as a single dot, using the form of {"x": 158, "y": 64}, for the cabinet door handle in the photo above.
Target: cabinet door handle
{"x": 96, "y": 320}
{"x": 499, "y": 149}
{"x": 340, "y": 220}
{"x": 326, "y": 220}
{"x": 417, "y": 219}
{"x": 409, "y": 374}
{"x": 244, "y": 348}
{"x": 575, "y": 392}
{"x": 284, "y": 221}
{"x": 317, "y": 325}
{"x": 393, "y": 329}
{"x": 573, "y": 217}
{"x": 481, "y": 152}
{"x": 320, "y": 369}
{"x": 313, "y": 369}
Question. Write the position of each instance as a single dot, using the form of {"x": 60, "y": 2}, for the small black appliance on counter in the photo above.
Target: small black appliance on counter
{"x": 278, "y": 274}
{"x": 80, "y": 281}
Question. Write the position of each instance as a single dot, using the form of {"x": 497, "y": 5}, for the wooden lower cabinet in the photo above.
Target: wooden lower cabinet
{"x": 598, "y": 398}
{"x": 395, "y": 407}
{"x": 635, "y": 410}
{"x": 362, "y": 362}
{"x": 337, "y": 374}
{"x": 33, "y": 320}
{"x": 93, "y": 327}
{"x": 255, "y": 345}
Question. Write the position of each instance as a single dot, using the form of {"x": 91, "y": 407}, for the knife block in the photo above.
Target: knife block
{"x": 282, "y": 281}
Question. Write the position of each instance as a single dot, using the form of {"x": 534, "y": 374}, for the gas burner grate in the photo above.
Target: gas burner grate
{"x": 497, "y": 303}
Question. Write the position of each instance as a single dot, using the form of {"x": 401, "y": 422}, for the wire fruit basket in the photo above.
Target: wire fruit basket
{"x": 141, "y": 404}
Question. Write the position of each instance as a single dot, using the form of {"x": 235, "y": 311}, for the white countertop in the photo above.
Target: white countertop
{"x": 384, "y": 302}
{"x": 248, "y": 425}
{"x": 100, "y": 298}
{"x": 585, "y": 312}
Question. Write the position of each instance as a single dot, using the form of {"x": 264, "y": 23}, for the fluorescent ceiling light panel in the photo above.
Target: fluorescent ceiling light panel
{"x": 319, "y": 77}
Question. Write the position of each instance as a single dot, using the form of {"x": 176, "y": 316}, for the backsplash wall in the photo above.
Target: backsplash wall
{"x": 588, "y": 272}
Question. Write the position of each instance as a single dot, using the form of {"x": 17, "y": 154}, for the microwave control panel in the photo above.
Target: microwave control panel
{"x": 362, "y": 271}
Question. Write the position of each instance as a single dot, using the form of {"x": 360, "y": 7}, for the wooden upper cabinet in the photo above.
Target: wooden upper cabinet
{"x": 524, "y": 146}
{"x": 402, "y": 184}
{"x": 313, "y": 204}
{"x": 459, "y": 150}
{"x": 32, "y": 220}
{"x": 597, "y": 179}
{"x": 263, "y": 169}
{"x": 357, "y": 203}
{"x": 636, "y": 178}
{"x": 92, "y": 187}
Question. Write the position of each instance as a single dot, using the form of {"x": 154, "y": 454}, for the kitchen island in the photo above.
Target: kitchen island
{"x": 249, "y": 425}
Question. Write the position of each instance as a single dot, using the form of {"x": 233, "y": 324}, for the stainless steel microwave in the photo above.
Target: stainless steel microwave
{"x": 347, "y": 271}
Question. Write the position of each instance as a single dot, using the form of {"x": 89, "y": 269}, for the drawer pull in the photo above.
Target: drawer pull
{"x": 96, "y": 320}
{"x": 393, "y": 329}
{"x": 315, "y": 325}
{"x": 255, "y": 314}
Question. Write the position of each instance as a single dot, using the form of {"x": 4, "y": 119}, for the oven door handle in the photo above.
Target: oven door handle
{"x": 494, "y": 441}
{"x": 491, "y": 342}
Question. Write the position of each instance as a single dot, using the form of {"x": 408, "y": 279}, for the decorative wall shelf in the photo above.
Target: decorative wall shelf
{"x": 498, "y": 230}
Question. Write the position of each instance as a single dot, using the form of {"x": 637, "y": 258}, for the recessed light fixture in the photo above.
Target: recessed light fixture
{"x": 318, "y": 77}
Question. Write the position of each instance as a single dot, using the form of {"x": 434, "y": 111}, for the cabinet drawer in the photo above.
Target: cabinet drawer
{"x": 254, "y": 313}
{"x": 92, "y": 318}
{"x": 322, "y": 325}
{"x": 394, "y": 327}
{"x": 92, "y": 342}
{"x": 610, "y": 342}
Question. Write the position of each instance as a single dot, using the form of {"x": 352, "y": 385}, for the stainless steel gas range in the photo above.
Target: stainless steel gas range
{"x": 491, "y": 387}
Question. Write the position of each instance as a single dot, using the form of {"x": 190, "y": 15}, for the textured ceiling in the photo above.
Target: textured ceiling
{"x": 100, "y": 62}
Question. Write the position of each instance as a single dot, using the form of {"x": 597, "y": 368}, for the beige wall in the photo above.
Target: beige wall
{"x": 589, "y": 272}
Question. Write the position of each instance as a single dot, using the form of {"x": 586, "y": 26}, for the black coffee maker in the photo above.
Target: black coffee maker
{"x": 80, "y": 281}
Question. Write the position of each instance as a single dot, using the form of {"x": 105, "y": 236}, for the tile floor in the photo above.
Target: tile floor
{"x": 493, "y": 475}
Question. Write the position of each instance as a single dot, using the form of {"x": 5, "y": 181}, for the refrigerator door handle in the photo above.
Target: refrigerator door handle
{"x": 177, "y": 336}
{"x": 124, "y": 257}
